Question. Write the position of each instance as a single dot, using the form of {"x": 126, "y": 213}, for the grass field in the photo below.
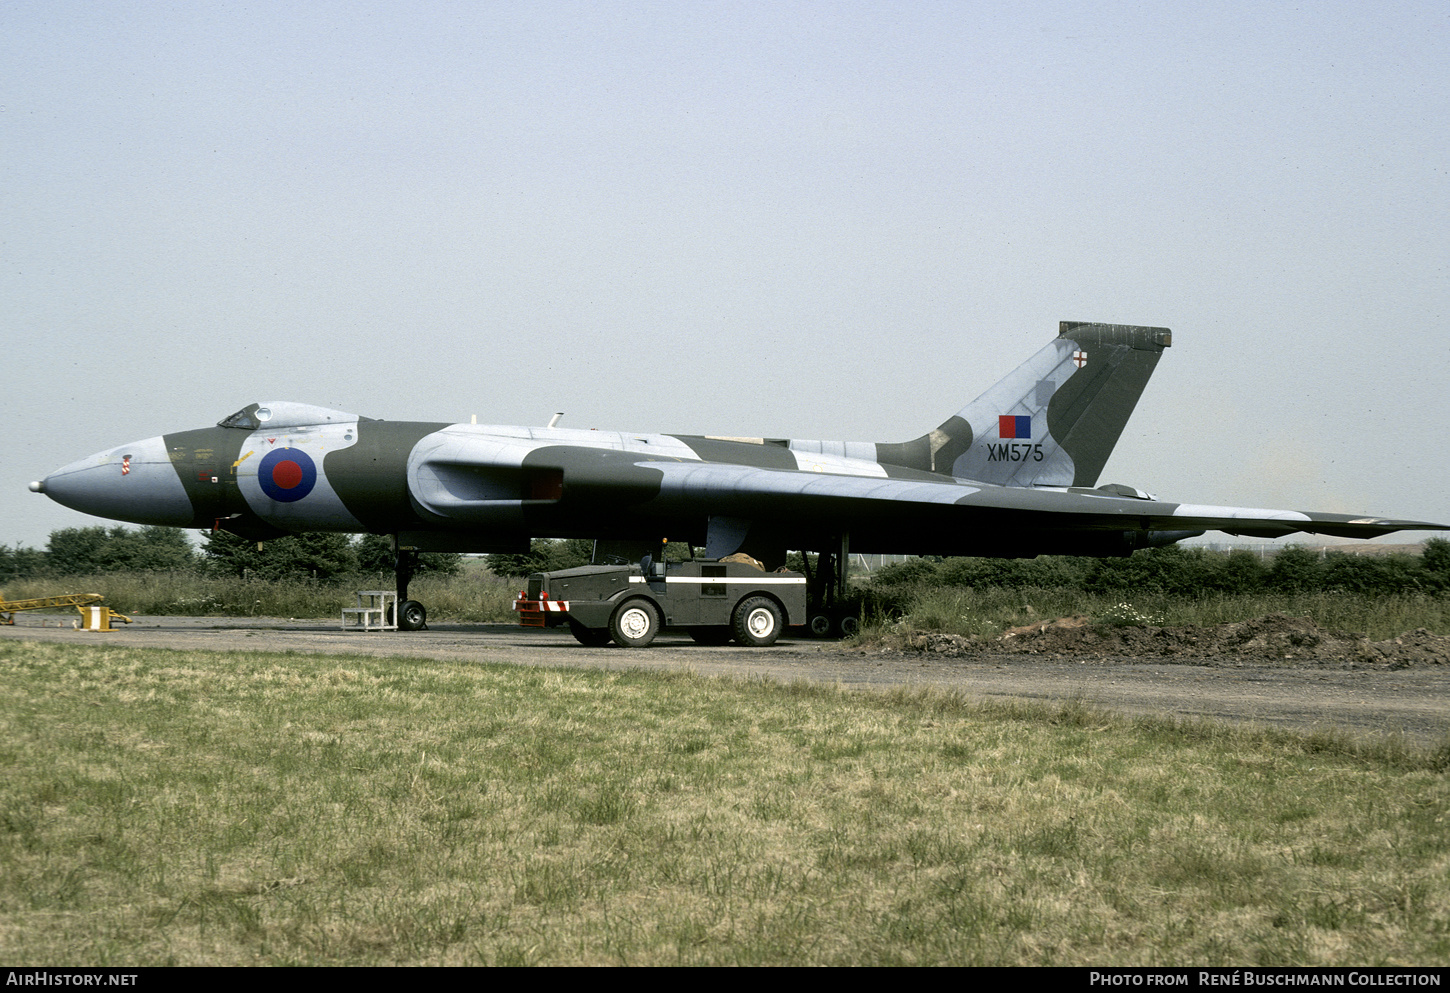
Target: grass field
{"x": 234, "y": 808}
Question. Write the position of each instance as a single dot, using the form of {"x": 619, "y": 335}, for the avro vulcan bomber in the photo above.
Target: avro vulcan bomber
{"x": 1014, "y": 474}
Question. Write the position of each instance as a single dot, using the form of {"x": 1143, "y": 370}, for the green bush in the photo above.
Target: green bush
{"x": 544, "y": 555}
{"x": 317, "y": 555}
{"x": 1186, "y": 572}
{"x": 1436, "y": 564}
{"x": 73, "y": 551}
{"x": 19, "y": 562}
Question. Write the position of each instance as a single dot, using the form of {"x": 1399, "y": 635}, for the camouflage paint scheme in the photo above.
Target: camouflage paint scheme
{"x": 1010, "y": 474}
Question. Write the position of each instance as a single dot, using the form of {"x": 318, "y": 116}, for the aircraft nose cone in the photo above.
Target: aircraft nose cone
{"x": 134, "y": 483}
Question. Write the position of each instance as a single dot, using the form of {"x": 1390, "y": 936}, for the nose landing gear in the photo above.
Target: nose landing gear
{"x": 412, "y": 615}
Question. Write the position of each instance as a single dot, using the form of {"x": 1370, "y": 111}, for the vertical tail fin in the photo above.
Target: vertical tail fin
{"x": 1051, "y": 422}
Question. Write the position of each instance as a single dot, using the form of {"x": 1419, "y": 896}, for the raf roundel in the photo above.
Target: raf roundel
{"x": 287, "y": 474}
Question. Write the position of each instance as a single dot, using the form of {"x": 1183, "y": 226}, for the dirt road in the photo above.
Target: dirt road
{"x": 1414, "y": 700}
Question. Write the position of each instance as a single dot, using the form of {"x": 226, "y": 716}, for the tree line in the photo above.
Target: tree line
{"x": 316, "y": 555}
{"x": 1190, "y": 572}
{"x": 97, "y": 550}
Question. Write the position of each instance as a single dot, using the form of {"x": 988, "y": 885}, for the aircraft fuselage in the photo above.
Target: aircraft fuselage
{"x": 1010, "y": 474}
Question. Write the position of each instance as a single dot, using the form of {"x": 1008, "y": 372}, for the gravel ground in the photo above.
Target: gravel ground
{"x": 1356, "y": 693}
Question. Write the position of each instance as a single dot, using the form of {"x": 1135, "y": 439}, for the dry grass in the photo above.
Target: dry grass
{"x": 989, "y": 612}
{"x": 480, "y": 597}
{"x": 233, "y": 808}
{"x": 470, "y": 596}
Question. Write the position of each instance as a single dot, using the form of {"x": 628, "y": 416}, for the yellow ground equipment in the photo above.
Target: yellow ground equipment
{"x": 93, "y": 617}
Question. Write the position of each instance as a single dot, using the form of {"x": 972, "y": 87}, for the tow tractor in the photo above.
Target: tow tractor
{"x": 629, "y": 604}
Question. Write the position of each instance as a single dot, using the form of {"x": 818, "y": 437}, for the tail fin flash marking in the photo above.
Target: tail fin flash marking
{"x": 1014, "y": 426}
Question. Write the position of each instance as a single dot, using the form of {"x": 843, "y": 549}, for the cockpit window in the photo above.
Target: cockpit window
{"x": 246, "y": 418}
{"x": 279, "y": 414}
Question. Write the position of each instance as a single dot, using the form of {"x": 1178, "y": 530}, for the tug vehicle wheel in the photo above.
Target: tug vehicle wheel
{"x": 757, "y": 622}
{"x": 634, "y": 624}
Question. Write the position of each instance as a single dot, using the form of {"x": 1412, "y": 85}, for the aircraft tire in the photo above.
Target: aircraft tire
{"x": 713, "y": 634}
{"x": 592, "y": 637}
{"x": 849, "y": 626}
{"x": 635, "y": 623}
{"x": 757, "y": 622}
{"x": 820, "y": 625}
{"x": 412, "y": 616}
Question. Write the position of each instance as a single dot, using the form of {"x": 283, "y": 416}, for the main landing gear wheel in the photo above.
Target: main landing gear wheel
{"x": 757, "y": 622}
{"x": 824, "y": 625}
{"x": 412, "y": 616}
{"x": 592, "y": 637}
{"x": 634, "y": 624}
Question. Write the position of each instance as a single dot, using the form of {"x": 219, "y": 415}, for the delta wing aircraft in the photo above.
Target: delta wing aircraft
{"x": 1012, "y": 474}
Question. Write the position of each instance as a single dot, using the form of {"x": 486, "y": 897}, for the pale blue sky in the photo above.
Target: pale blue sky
{"x": 821, "y": 220}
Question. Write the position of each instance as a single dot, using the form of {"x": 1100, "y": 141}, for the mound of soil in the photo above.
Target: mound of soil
{"x": 1274, "y": 638}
